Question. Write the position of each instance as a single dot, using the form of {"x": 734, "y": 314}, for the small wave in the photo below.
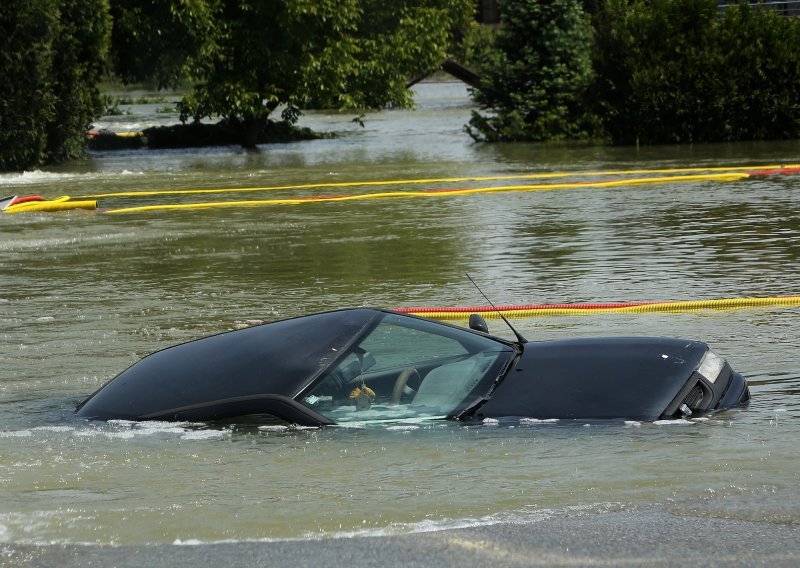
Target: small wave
{"x": 426, "y": 526}
{"x": 34, "y": 177}
{"x": 51, "y": 243}
{"x": 37, "y": 177}
{"x": 393, "y": 529}
{"x": 525, "y": 516}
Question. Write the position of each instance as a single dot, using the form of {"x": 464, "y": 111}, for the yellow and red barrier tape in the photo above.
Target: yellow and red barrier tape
{"x": 656, "y": 176}
{"x": 540, "y": 310}
{"x": 719, "y": 177}
{"x": 744, "y": 171}
{"x": 432, "y": 193}
{"x": 38, "y": 204}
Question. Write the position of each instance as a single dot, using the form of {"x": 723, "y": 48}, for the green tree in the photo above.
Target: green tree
{"x": 156, "y": 41}
{"x": 475, "y": 45}
{"x": 656, "y": 70}
{"x": 675, "y": 71}
{"x": 251, "y": 57}
{"x": 26, "y": 97}
{"x": 79, "y": 61}
{"x": 536, "y": 84}
{"x": 760, "y": 71}
{"x": 51, "y": 56}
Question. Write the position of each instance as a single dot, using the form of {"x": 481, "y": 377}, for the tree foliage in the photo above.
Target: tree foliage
{"x": 760, "y": 52}
{"x": 535, "y": 86}
{"x": 675, "y": 71}
{"x": 662, "y": 71}
{"x": 51, "y": 57}
{"x": 158, "y": 41}
{"x": 250, "y": 57}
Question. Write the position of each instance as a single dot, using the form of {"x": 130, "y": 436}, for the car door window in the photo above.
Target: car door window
{"x": 408, "y": 368}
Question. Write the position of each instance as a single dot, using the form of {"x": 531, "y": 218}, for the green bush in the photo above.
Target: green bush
{"x": 475, "y": 45}
{"x": 27, "y": 99}
{"x": 51, "y": 55}
{"x": 672, "y": 71}
{"x": 760, "y": 74}
{"x": 535, "y": 84}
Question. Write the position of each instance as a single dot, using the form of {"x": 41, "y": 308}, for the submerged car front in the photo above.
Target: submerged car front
{"x": 642, "y": 378}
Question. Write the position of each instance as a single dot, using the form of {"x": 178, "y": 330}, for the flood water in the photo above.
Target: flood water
{"x": 84, "y": 294}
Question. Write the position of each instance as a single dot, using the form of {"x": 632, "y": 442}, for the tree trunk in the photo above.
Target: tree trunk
{"x": 252, "y": 126}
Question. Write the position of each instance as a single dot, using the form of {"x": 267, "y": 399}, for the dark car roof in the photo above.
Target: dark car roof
{"x": 279, "y": 358}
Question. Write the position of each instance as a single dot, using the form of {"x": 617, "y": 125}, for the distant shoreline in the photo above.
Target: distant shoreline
{"x": 196, "y": 135}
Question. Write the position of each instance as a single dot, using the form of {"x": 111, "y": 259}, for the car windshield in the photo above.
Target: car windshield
{"x": 408, "y": 368}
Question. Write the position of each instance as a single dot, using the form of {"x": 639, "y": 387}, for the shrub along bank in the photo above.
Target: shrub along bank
{"x": 663, "y": 71}
{"x": 196, "y": 135}
{"x": 51, "y": 58}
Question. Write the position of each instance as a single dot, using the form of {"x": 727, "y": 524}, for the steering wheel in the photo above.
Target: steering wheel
{"x": 400, "y": 383}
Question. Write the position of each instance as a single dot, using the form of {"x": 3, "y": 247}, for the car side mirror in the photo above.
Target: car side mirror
{"x": 477, "y": 323}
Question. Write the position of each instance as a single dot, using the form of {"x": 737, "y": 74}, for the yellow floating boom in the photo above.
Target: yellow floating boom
{"x": 542, "y": 310}
{"x": 63, "y": 203}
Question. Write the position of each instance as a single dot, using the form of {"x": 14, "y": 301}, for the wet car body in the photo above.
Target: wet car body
{"x": 367, "y": 364}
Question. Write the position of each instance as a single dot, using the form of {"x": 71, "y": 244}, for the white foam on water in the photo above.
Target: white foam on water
{"x": 273, "y": 428}
{"x": 538, "y": 420}
{"x": 187, "y": 542}
{"x": 15, "y": 434}
{"x": 386, "y": 420}
{"x": 205, "y": 435}
{"x": 127, "y": 430}
{"x": 679, "y": 421}
{"x": 41, "y": 177}
{"x": 53, "y": 429}
{"x": 18, "y": 526}
{"x": 35, "y": 176}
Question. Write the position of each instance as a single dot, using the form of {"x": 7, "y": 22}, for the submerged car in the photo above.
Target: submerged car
{"x": 368, "y": 364}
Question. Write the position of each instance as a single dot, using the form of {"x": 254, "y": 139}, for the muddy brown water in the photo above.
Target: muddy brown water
{"x": 84, "y": 295}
